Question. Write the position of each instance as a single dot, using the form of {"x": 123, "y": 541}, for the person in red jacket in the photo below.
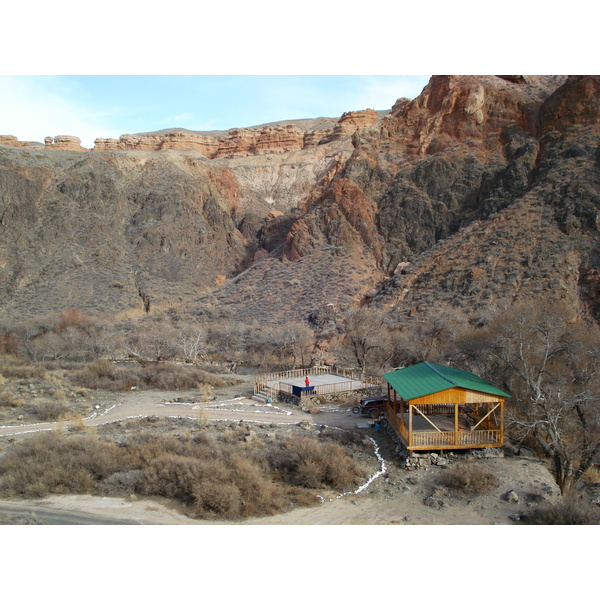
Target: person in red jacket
{"x": 307, "y": 382}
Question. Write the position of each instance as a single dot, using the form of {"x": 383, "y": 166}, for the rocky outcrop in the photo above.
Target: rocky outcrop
{"x": 237, "y": 142}
{"x": 479, "y": 185}
{"x": 351, "y": 122}
{"x": 64, "y": 142}
{"x": 11, "y": 140}
{"x": 206, "y": 145}
{"x": 240, "y": 142}
{"x": 453, "y": 109}
{"x": 574, "y": 103}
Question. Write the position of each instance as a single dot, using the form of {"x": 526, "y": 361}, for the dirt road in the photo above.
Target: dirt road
{"x": 233, "y": 403}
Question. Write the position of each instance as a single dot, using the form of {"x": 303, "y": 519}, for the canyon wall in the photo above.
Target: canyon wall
{"x": 481, "y": 192}
{"x": 237, "y": 142}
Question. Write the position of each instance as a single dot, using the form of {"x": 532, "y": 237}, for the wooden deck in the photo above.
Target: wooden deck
{"x": 322, "y": 384}
{"x": 323, "y": 380}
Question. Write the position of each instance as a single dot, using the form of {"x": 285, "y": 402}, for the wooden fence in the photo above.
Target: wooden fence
{"x": 273, "y": 380}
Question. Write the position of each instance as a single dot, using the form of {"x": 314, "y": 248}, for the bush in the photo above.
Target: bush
{"x": 49, "y": 463}
{"x": 467, "y": 480}
{"x": 570, "y": 511}
{"x": 51, "y": 410}
{"x": 18, "y": 368}
{"x": 8, "y": 399}
{"x": 313, "y": 464}
{"x": 102, "y": 374}
{"x": 212, "y": 478}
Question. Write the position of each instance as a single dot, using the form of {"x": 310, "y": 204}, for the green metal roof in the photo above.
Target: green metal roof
{"x": 427, "y": 378}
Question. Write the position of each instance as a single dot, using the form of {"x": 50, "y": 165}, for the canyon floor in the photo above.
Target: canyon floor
{"x": 392, "y": 495}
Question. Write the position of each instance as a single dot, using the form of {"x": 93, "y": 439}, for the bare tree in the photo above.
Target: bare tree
{"x": 192, "y": 343}
{"x": 550, "y": 365}
{"x": 150, "y": 342}
{"x": 365, "y": 335}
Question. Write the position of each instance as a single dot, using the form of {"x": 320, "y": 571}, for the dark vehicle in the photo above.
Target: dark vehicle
{"x": 373, "y": 407}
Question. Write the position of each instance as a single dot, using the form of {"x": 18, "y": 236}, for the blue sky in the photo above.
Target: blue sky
{"x": 91, "y": 106}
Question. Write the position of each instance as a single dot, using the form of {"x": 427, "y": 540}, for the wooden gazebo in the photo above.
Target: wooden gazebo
{"x": 433, "y": 407}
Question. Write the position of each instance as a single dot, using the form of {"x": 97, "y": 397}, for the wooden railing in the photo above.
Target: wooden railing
{"x": 262, "y": 381}
{"x": 396, "y": 421}
{"x": 462, "y": 438}
{"x": 435, "y": 409}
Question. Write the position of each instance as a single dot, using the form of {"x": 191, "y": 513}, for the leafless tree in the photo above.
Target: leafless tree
{"x": 550, "y": 363}
{"x": 366, "y": 336}
{"x": 192, "y": 343}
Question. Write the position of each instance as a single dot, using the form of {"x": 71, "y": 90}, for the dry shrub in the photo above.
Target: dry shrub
{"x": 52, "y": 464}
{"x": 176, "y": 377}
{"x": 212, "y": 478}
{"x": 51, "y": 410}
{"x": 8, "y": 399}
{"x": 99, "y": 374}
{"x": 217, "y": 498}
{"x": 572, "y": 510}
{"x": 466, "y": 480}
{"x": 310, "y": 463}
{"x": 18, "y": 368}
{"x": 102, "y": 374}
{"x": 78, "y": 423}
{"x": 227, "y": 486}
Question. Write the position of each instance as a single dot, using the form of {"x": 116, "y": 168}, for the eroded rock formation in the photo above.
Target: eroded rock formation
{"x": 64, "y": 142}
{"x": 239, "y": 142}
{"x": 11, "y": 140}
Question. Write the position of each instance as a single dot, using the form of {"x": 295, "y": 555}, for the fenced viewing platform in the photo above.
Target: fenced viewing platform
{"x": 323, "y": 381}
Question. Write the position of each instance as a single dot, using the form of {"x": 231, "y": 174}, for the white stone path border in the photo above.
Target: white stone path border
{"x": 364, "y": 486}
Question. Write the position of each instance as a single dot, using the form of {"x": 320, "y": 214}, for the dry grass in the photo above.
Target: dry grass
{"x": 572, "y": 510}
{"x": 213, "y": 475}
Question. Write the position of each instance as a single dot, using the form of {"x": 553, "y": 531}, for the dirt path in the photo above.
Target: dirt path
{"x": 233, "y": 403}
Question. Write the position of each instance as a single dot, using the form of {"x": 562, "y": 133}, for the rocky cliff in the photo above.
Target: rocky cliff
{"x": 481, "y": 192}
{"x": 276, "y": 138}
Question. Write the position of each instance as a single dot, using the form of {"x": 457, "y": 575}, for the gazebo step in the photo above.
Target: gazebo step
{"x": 262, "y": 396}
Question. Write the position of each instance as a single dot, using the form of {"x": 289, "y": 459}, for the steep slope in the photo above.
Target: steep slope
{"x": 482, "y": 191}
{"x": 112, "y": 231}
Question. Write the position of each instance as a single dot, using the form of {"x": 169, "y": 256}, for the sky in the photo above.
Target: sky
{"x": 107, "y": 106}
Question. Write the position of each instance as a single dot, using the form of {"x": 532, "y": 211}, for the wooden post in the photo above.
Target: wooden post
{"x": 456, "y": 436}
{"x": 410, "y": 424}
{"x": 501, "y": 440}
